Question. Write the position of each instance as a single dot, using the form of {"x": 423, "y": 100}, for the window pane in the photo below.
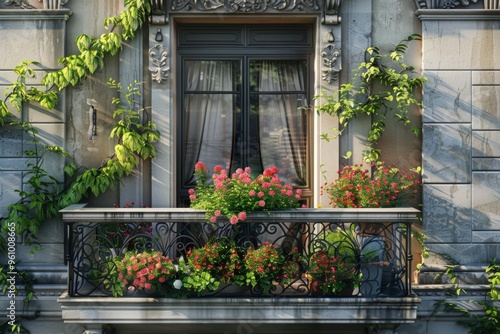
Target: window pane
{"x": 208, "y": 114}
{"x": 212, "y": 76}
{"x": 282, "y": 122}
{"x": 277, "y": 75}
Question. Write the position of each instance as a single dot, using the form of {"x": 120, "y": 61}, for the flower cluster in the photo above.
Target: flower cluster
{"x": 146, "y": 271}
{"x": 331, "y": 273}
{"x": 387, "y": 187}
{"x": 220, "y": 258}
{"x": 234, "y": 196}
{"x": 267, "y": 264}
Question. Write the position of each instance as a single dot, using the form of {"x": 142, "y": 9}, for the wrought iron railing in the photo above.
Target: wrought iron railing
{"x": 368, "y": 249}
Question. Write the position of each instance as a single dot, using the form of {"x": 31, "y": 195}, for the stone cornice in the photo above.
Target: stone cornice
{"x": 458, "y": 15}
{"x": 32, "y": 15}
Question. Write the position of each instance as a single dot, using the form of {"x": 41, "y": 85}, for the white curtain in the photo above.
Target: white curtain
{"x": 283, "y": 125}
{"x": 208, "y": 114}
{"x": 210, "y": 105}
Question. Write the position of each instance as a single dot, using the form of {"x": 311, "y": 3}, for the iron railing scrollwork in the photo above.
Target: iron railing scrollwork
{"x": 376, "y": 253}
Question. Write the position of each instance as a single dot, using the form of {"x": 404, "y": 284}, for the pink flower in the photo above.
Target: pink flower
{"x": 233, "y": 220}
{"x": 242, "y": 216}
{"x": 192, "y": 197}
{"x": 271, "y": 193}
{"x": 262, "y": 203}
{"x": 217, "y": 213}
{"x": 261, "y": 194}
{"x": 217, "y": 169}
{"x": 251, "y": 193}
{"x": 200, "y": 166}
{"x": 213, "y": 219}
{"x": 191, "y": 191}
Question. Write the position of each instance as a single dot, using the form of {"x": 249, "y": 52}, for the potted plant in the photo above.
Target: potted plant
{"x": 267, "y": 265}
{"x": 234, "y": 196}
{"x": 334, "y": 263}
{"x": 221, "y": 259}
{"x": 331, "y": 275}
{"x": 149, "y": 272}
{"x": 385, "y": 186}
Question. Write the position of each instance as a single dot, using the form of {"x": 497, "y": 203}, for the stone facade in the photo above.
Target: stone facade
{"x": 460, "y": 146}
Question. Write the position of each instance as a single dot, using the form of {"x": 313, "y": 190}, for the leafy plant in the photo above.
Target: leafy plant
{"x": 45, "y": 199}
{"x": 149, "y": 271}
{"x": 332, "y": 274}
{"x": 267, "y": 264}
{"x": 487, "y": 321}
{"x": 220, "y": 258}
{"x": 236, "y": 195}
{"x": 387, "y": 187}
{"x": 381, "y": 86}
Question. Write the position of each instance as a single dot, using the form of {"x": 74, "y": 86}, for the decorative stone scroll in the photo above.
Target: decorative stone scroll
{"x": 247, "y": 6}
{"x": 158, "y": 56}
{"x": 443, "y": 4}
{"x": 331, "y": 11}
{"x": 158, "y": 12}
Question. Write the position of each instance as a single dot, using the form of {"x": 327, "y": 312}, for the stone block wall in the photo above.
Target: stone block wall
{"x": 461, "y": 133}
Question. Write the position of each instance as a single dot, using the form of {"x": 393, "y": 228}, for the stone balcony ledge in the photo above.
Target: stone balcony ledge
{"x": 106, "y": 310}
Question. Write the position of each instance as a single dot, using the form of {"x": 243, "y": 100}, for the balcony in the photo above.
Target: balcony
{"x": 373, "y": 247}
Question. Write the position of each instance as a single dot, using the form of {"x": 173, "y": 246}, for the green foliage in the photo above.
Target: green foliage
{"x": 38, "y": 198}
{"x": 136, "y": 136}
{"x": 41, "y": 198}
{"x": 377, "y": 90}
{"x": 487, "y": 321}
{"x": 93, "y": 51}
{"x": 268, "y": 264}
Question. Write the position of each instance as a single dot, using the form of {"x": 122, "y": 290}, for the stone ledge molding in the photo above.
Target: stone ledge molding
{"x": 86, "y": 310}
{"x": 37, "y": 14}
{"x": 458, "y": 15}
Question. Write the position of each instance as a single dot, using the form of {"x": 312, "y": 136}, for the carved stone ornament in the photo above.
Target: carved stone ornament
{"x": 331, "y": 10}
{"x": 158, "y": 56}
{"x": 158, "y": 12}
{"x": 330, "y": 55}
{"x": 443, "y": 4}
{"x": 47, "y": 4}
{"x": 247, "y": 6}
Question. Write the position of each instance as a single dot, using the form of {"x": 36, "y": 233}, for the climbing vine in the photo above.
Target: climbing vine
{"x": 381, "y": 86}
{"x": 488, "y": 320}
{"x": 43, "y": 197}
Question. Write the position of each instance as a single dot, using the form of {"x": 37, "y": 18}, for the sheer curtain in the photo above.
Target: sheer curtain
{"x": 283, "y": 125}
{"x": 209, "y": 104}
